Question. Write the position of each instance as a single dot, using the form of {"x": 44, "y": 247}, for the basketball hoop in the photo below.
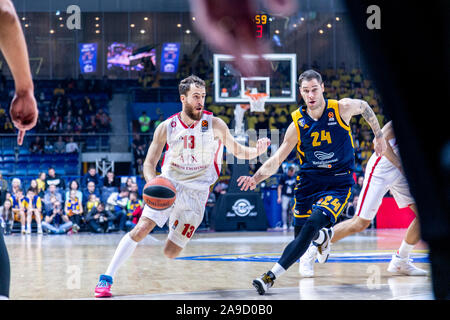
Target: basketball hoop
{"x": 257, "y": 101}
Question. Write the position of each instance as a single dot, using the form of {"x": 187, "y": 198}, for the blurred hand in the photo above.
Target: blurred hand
{"x": 228, "y": 28}
{"x": 281, "y": 7}
{"x": 24, "y": 113}
{"x": 279, "y": 200}
{"x": 247, "y": 182}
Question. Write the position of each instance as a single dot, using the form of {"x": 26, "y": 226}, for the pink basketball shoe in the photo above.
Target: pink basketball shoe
{"x": 103, "y": 288}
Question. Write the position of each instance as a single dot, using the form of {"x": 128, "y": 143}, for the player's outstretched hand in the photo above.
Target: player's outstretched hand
{"x": 380, "y": 146}
{"x": 262, "y": 145}
{"x": 247, "y": 182}
{"x": 24, "y": 113}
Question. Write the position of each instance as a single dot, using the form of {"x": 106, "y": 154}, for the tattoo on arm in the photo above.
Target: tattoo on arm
{"x": 371, "y": 118}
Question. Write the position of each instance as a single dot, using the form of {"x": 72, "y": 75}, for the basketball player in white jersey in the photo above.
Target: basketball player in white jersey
{"x": 194, "y": 141}
{"x": 383, "y": 174}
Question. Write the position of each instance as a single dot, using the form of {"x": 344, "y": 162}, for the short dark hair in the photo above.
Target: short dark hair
{"x": 185, "y": 84}
{"x": 309, "y": 75}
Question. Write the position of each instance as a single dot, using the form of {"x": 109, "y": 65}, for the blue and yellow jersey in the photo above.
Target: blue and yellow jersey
{"x": 16, "y": 202}
{"x": 72, "y": 204}
{"x": 325, "y": 147}
{"x": 91, "y": 204}
{"x": 16, "y": 205}
{"x": 132, "y": 205}
{"x": 35, "y": 202}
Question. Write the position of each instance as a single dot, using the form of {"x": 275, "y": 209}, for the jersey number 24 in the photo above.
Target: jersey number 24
{"x": 324, "y": 136}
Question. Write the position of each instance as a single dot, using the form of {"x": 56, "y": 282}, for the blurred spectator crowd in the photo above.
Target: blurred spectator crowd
{"x": 69, "y": 111}
{"x": 92, "y": 203}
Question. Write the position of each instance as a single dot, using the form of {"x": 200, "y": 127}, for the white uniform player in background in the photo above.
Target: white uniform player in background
{"x": 382, "y": 174}
{"x": 194, "y": 141}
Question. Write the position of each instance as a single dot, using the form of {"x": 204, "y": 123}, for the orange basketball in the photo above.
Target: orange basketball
{"x": 159, "y": 193}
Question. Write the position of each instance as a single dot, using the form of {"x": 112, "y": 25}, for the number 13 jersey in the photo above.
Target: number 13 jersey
{"x": 193, "y": 155}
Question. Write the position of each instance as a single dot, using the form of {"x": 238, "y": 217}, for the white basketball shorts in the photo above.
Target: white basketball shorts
{"x": 380, "y": 177}
{"x": 184, "y": 216}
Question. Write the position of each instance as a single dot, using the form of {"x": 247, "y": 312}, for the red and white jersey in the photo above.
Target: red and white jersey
{"x": 193, "y": 155}
{"x": 382, "y": 176}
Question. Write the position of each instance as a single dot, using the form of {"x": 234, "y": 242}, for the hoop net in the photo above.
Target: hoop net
{"x": 257, "y": 101}
{"x": 239, "y": 117}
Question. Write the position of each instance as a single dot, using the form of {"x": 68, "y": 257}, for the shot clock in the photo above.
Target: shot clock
{"x": 262, "y": 26}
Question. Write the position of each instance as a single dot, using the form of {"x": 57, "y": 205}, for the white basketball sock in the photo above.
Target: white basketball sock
{"x": 277, "y": 270}
{"x": 123, "y": 252}
{"x": 405, "y": 250}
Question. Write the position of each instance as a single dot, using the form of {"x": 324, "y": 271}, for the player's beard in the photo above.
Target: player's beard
{"x": 190, "y": 111}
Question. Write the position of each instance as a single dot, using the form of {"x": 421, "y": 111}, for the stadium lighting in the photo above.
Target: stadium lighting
{"x": 188, "y": 31}
{"x": 302, "y": 19}
{"x": 52, "y": 31}
{"x": 179, "y": 25}
{"x": 145, "y": 18}
{"x": 320, "y": 31}
{"x": 277, "y": 31}
{"x": 60, "y": 18}
{"x": 142, "y": 31}
{"x": 294, "y": 25}
{"x": 337, "y": 19}
{"x": 61, "y": 25}
{"x": 97, "y": 18}
{"x": 58, "y": 12}
{"x": 26, "y": 25}
{"x": 97, "y": 31}
{"x": 193, "y": 18}
{"x": 97, "y": 25}
{"x": 132, "y": 25}
{"x": 23, "y": 18}
{"x": 329, "y": 25}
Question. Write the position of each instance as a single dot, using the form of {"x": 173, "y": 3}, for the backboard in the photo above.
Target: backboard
{"x": 280, "y": 85}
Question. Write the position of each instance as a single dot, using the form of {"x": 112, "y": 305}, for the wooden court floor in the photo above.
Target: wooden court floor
{"x": 214, "y": 265}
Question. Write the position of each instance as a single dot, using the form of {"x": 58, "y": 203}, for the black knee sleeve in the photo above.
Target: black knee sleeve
{"x": 297, "y": 230}
{"x": 300, "y": 244}
{"x": 5, "y": 271}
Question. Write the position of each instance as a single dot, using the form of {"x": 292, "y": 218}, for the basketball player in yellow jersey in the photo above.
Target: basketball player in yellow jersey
{"x": 194, "y": 140}
{"x": 325, "y": 149}
{"x": 23, "y": 111}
